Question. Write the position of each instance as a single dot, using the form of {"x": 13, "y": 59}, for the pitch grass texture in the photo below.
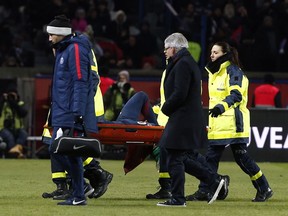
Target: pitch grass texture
{"x": 23, "y": 181}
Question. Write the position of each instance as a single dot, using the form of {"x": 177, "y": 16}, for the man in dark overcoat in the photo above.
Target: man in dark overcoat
{"x": 186, "y": 128}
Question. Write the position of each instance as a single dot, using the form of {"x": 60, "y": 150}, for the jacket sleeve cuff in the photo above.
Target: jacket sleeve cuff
{"x": 222, "y": 107}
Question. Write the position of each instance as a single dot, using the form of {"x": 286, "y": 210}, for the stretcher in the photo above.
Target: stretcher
{"x": 140, "y": 140}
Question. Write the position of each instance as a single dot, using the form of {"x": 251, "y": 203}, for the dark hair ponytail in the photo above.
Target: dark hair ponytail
{"x": 226, "y": 48}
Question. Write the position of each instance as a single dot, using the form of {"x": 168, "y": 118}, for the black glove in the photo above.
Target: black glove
{"x": 78, "y": 119}
{"x": 215, "y": 112}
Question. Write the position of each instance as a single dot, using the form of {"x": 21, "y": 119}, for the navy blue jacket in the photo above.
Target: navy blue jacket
{"x": 74, "y": 83}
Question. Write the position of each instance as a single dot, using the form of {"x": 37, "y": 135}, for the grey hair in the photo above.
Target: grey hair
{"x": 125, "y": 73}
{"x": 177, "y": 41}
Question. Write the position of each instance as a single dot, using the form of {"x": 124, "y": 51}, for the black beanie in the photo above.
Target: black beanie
{"x": 59, "y": 26}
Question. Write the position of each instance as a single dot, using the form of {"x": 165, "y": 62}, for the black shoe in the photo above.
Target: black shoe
{"x": 61, "y": 191}
{"x": 199, "y": 195}
{"x": 263, "y": 196}
{"x": 58, "y": 192}
{"x": 225, "y": 189}
{"x": 220, "y": 181}
{"x": 64, "y": 196}
{"x": 100, "y": 185}
{"x": 88, "y": 190}
{"x": 161, "y": 194}
{"x": 73, "y": 202}
{"x": 171, "y": 203}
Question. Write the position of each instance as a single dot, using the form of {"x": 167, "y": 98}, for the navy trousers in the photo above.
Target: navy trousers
{"x": 74, "y": 167}
{"x": 242, "y": 158}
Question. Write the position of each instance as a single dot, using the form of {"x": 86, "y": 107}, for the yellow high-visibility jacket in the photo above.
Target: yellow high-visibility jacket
{"x": 228, "y": 90}
{"x": 162, "y": 119}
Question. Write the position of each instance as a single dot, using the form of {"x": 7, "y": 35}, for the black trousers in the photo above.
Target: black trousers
{"x": 191, "y": 162}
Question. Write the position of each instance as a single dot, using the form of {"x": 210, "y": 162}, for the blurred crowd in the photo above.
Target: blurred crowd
{"x": 127, "y": 34}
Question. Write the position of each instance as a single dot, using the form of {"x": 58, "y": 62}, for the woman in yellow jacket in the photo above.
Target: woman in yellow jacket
{"x": 229, "y": 119}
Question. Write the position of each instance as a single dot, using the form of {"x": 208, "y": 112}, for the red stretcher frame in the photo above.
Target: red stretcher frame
{"x": 120, "y": 134}
{"x": 140, "y": 140}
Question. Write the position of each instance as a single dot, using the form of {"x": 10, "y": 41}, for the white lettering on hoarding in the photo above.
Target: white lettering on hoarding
{"x": 260, "y": 139}
{"x": 285, "y": 146}
{"x": 277, "y": 140}
{"x": 274, "y": 138}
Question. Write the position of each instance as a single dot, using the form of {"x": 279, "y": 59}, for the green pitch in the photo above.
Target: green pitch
{"x": 23, "y": 181}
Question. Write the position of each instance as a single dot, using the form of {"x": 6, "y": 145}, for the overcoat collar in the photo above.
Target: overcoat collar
{"x": 174, "y": 59}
